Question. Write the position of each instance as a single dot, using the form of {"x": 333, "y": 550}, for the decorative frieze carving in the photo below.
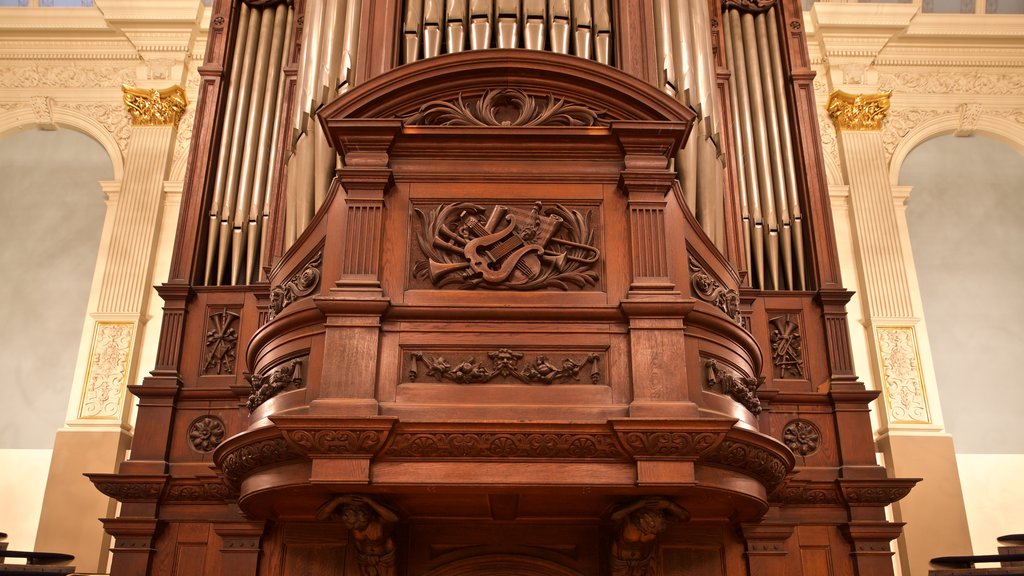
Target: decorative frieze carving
{"x": 856, "y": 112}
{"x": 155, "y": 107}
{"x": 504, "y": 365}
{"x": 638, "y": 525}
{"x": 338, "y": 442}
{"x": 740, "y": 387}
{"x": 708, "y": 289}
{"x": 197, "y": 490}
{"x": 766, "y": 466}
{"x": 504, "y": 445}
{"x": 287, "y": 376}
{"x": 206, "y": 433}
{"x": 301, "y": 284}
{"x": 902, "y": 380}
{"x": 802, "y": 437}
{"x": 954, "y": 81}
{"x": 507, "y": 247}
{"x": 221, "y": 343}
{"x": 60, "y": 75}
{"x": 107, "y": 374}
{"x": 787, "y": 355}
{"x": 806, "y": 494}
{"x": 664, "y": 444}
{"x": 238, "y": 463}
{"x": 507, "y": 107}
{"x": 370, "y": 526}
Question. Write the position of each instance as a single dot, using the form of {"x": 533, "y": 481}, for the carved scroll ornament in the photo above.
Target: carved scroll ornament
{"x": 741, "y": 388}
{"x": 287, "y": 376}
{"x": 503, "y": 362}
{"x": 506, "y": 247}
{"x": 301, "y": 284}
{"x": 708, "y": 289}
{"x": 857, "y": 112}
{"x": 155, "y": 107}
{"x": 504, "y": 107}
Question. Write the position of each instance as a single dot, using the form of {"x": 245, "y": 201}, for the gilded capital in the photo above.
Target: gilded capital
{"x": 857, "y": 111}
{"x": 155, "y": 107}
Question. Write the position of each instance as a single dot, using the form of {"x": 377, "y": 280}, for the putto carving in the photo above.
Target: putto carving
{"x": 503, "y": 446}
{"x": 637, "y": 527}
{"x": 784, "y": 335}
{"x": 857, "y": 111}
{"x": 370, "y": 526}
{"x": 508, "y": 247}
{"x": 753, "y": 6}
{"x": 155, "y": 107}
{"x": 206, "y": 433}
{"x": 505, "y": 107}
{"x": 301, "y": 284}
{"x": 708, "y": 289}
{"x": 802, "y": 437}
{"x": 287, "y": 376}
{"x": 504, "y": 363}
{"x": 221, "y": 343}
{"x": 741, "y": 388}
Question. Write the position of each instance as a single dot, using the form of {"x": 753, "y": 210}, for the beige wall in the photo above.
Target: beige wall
{"x": 992, "y": 494}
{"x": 22, "y": 481}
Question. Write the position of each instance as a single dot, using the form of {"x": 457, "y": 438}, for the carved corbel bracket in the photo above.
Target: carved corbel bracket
{"x": 130, "y": 488}
{"x": 870, "y": 538}
{"x": 880, "y": 492}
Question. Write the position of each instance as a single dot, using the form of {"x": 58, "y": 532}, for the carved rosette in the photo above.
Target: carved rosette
{"x": 802, "y": 437}
{"x": 206, "y": 433}
{"x": 504, "y": 364}
{"x": 299, "y": 285}
{"x": 787, "y": 355}
{"x": 266, "y": 385}
{"x": 710, "y": 290}
{"x": 465, "y": 245}
{"x": 155, "y": 107}
{"x": 740, "y": 387}
{"x": 857, "y": 112}
{"x": 506, "y": 107}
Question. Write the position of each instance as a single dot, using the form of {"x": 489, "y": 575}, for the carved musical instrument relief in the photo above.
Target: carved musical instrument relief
{"x": 506, "y": 247}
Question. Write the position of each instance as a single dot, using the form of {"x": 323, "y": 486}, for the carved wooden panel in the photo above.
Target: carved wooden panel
{"x": 504, "y": 366}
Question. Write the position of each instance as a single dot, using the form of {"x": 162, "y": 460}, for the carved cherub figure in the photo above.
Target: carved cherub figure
{"x": 637, "y": 527}
{"x": 370, "y": 525}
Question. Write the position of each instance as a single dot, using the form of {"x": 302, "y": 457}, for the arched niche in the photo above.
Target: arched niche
{"x": 24, "y": 119}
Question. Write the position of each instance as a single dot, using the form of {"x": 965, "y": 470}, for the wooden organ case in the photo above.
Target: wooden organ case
{"x": 510, "y": 287}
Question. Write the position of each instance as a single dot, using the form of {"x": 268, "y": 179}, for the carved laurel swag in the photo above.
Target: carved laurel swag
{"x": 506, "y": 247}
{"x": 741, "y": 388}
{"x": 710, "y": 290}
{"x": 266, "y": 385}
{"x": 504, "y": 107}
{"x": 299, "y": 285}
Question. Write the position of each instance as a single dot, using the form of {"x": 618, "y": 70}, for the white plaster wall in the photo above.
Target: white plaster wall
{"x": 22, "y": 482}
{"x": 51, "y": 215}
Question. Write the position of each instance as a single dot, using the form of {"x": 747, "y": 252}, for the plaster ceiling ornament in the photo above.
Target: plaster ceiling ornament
{"x": 857, "y": 112}
{"x": 955, "y": 81}
{"x": 504, "y": 363}
{"x": 206, "y": 433}
{"x": 64, "y": 76}
{"x": 969, "y": 115}
{"x": 506, "y": 247}
{"x": 504, "y": 107}
{"x": 155, "y": 107}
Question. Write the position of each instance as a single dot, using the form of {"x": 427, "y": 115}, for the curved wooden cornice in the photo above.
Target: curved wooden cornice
{"x": 575, "y": 81}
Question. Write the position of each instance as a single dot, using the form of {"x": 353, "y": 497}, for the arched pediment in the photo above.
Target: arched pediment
{"x": 549, "y": 80}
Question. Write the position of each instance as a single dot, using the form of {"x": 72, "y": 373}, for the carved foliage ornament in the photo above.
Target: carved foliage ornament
{"x": 741, "y": 388}
{"x": 526, "y": 445}
{"x": 708, "y": 289}
{"x": 287, "y": 376}
{"x": 857, "y": 112}
{"x": 506, "y": 247}
{"x": 903, "y": 382}
{"x": 107, "y": 375}
{"x": 504, "y": 107}
{"x": 240, "y": 462}
{"x": 301, "y": 284}
{"x": 503, "y": 363}
{"x": 206, "y": 433}
{"x": 784, "y": 335}
{"x": 753, "y": 6}
{"x": 221, "y": 343}
{"x": 155, "y": 107}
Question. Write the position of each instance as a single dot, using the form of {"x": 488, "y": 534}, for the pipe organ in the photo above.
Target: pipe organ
{"x": 504, "y": 287}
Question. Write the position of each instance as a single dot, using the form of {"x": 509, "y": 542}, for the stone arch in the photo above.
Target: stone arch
{"x": 23, "y": 118}
{"x": 1003, "y": 130}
